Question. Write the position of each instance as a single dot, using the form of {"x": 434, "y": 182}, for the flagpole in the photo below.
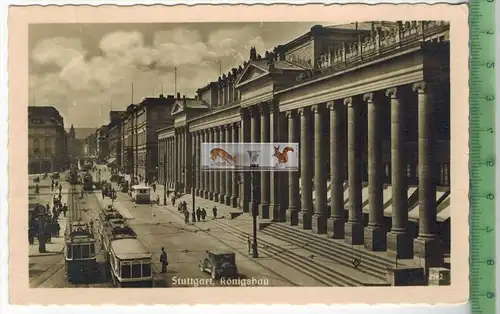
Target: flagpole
{"x": 175, "y": 82}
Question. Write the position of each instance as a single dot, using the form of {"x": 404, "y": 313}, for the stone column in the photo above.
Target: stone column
{"x": 254, "y": 178}
{"x": 306, "y": 173}
{"x": 222, "y": 174}
{"x": 243, "y": 178}
{"x": 234, "y": 175}
{"x": 217, "y": 173}
{"x": 177, "y": 158}
{"x": 319, "y": 220}
{"x": 194, "y": 172}
{"x": 186, "y": 153}
{"x": 278, "y": 179}
{"x": 264, "y": 175}
{"x": 211, "y": 173}
{"x": 206, "y": 173}
{"x": 427, "y": 246}
{"x": 199, "y": 180}
{"x": 398, "y": 239}
{"x": 229, "y": 178}
{"x": 169, "y": 161}
{"x": 337, "y": 174}
{"x": 292, "y": 213}
{"x": 354, "y": 226}
{"x": 375, "y": 235}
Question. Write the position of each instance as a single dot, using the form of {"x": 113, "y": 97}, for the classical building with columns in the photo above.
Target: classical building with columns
{"x": 369, "y": 104}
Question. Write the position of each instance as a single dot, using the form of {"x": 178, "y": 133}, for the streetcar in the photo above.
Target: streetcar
{"x": 88, "y": 183}
{"x": 73, "y": 176}
{"x": 80, "y": 251}
{"x": 141, "y": 194}
{"x": 129, "y": 260}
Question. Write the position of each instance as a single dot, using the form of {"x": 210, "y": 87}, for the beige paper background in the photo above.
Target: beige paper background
{"x": 20, "y": 17}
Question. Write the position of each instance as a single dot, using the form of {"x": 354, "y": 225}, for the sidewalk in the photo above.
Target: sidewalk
{"x": 56, "y": 245}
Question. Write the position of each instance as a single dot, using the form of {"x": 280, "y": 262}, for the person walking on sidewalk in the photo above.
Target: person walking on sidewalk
{"x": 60, "y": 189}
{"x": 249, "y": 242}
{"x": 163, "y": 260}
{"x": 203, "y": 213}
{"x": 154, "y": 187}
{"x": 186, "y": 217}
{"x": 198, "y": 214}
{"x": 214, "y": 212}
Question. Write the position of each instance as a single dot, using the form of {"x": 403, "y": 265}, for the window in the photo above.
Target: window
{"x": 77, "y": 251}
{"x": 137, "y": 270}
{"x": 48, "y": 151}
{"x": 125, "y": 271}
{"x": 36, "y": 146}
{"x": 85, "y": 251}
{"x": 146, "y": 270}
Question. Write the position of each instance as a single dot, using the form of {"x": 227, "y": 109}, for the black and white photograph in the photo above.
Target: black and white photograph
{"x": 118, "y": 115}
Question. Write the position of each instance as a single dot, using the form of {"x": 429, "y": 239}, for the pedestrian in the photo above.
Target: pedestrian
{"x": 214, "y": 212}
{"x": 158, "y": 200}
{"x": 154, "y": 187}
{"x": 65, "y": 209}
{"x": 203, "y": 213}
{"x": 58, "y": 229}
{"x": 186, "y": 217}
{"x": 37, "y": 189}
{"x": 163, "y": 260}
{"x": 193, "y": 215}
{"x": 52, "y": 186}
{"x": 249, "y": 242}
{"x": 60, "y": 189}
{"x": 198, "y": 214}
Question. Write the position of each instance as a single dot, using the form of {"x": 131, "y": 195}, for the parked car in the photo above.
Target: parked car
{"x": 55, "y": 175}
{"x": 219, "y": 265}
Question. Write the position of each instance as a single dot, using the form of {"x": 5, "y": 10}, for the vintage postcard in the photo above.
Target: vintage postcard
{"x": 184, "y": 150}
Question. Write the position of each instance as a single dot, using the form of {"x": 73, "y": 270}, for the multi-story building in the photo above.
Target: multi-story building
{"x": 139, "y": 126}
{"x": 350, "y": 95}
{"x": 47, "y": 144}
{"x": 90, "y": 146}
{"x": 114, "y": 136}
{"x": 102, "y": 142}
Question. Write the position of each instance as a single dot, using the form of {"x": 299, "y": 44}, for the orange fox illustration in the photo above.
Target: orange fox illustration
{"x": 219, "y": 152}
{"x": 282, "y": 156}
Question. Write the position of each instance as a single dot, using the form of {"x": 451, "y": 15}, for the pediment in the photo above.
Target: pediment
{"x": 250, "y": 73}
{"x": 178, "y": 107}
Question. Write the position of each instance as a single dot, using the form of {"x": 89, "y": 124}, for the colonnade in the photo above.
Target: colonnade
{"x": 277, "y": 195}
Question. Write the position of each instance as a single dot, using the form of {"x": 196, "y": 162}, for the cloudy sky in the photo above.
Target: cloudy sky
{"x": 84, "y": 70}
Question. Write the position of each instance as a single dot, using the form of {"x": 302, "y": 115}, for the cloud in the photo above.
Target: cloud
{"x": 85, "y": 87}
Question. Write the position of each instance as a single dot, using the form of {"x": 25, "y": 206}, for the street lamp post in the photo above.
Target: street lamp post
{"x": 255, "y": 250}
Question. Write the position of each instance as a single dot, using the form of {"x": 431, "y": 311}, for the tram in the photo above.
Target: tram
{"x": 88, "y": 183}
{"x": 129, "y": 259}
{"x": 73, "y": 176}
{"x": 80, "y": 251}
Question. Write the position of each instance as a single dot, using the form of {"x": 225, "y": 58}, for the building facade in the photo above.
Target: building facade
{"x": 47, "y": 142}
{"x": 369, "y": 105}
{"x": 102, "y": 143}
{"x": 90, "y": 146}
{"x": 140, "y": 142}
{"x": 114, "y": 136}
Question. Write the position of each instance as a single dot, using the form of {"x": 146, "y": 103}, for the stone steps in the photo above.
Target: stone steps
{"x": 300, "y": 259}
{"x": 330, "y": 249}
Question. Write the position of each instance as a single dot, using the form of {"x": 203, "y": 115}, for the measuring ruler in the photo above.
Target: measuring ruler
{"x": 482, "y": 156}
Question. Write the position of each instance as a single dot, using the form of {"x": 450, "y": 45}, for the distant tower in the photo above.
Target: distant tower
{"x": 72, "y": 134}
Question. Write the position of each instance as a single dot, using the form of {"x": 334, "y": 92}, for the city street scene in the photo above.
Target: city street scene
{"x": 239, "y": 154}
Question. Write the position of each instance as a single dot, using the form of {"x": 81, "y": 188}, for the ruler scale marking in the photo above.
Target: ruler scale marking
{"x": 482, "y": 156}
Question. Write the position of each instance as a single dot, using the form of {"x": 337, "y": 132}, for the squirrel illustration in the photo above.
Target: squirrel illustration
{"x": 219, "y": 152}
{"x": 282, "y": 156}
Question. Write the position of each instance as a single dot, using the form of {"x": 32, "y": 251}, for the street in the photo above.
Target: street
{"x": 186, "y": 245}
